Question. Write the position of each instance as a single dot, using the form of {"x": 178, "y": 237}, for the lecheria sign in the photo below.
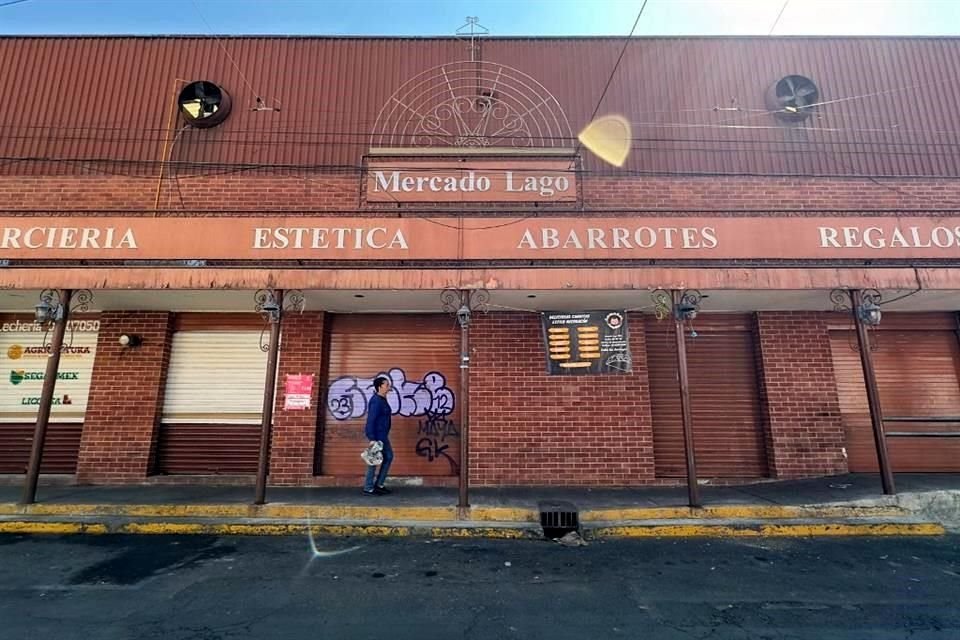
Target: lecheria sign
{"x": 450, "y": 238}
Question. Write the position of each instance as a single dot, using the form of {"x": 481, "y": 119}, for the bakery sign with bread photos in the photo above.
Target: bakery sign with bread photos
{"x": 585, "y": 342}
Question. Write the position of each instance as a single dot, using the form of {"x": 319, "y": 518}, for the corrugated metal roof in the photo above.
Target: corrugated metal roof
{"x": 890, "y": 102}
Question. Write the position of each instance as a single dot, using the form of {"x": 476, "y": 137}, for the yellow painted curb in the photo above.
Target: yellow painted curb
{"x": 275, "y": 511}
{"x": 440, "y": 514}
{"x": 504, "y": 514}
{"x": 53, "y": 528}
{"x": 482, "y": 532}
{"x": 189, "y": 528}
{"x": 270, "y": 511}
{"x": 687, "y": 530}
{"x": 266, "y": 529}
{"x": 766, "y": 530}
{"x": 737, "y": 512}
{"x": 183, "y": 528}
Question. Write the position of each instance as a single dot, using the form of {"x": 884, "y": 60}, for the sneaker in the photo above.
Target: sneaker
{"x": 372, "y": 492}
{"x": 382, "y": 491}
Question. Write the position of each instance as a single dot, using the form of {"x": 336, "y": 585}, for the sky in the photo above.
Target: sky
{"x": 501, "y": 17}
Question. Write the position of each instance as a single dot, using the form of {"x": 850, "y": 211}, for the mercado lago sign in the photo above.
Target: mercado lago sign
{"x": 451, "y": 238}
{"x": 471, "y": 180}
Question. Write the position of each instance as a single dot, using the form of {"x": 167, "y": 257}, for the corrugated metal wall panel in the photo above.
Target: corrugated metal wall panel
{"x": 412, "y": 350}
{"x": 917, "y": 376}
{"x": 215, "y": 377}
{"x": 226, "y": 321}
{"x": 208, "y": 449}
{"x": 61, "y": 447}
{"x": 920, "y": 321}
{"x": 724, "y": 395}
{"x": 109, "y": 97}
{"x": 213, "y": 403}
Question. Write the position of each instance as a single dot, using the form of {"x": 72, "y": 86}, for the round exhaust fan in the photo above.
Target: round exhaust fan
{"x": 203, "y": 104}
{"x": 792, "y": 98}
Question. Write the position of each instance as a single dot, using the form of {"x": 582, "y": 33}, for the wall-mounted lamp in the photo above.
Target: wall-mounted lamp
{"x": 270, "y": 308}
{"x": 49, "y": 308}
{"x": 268, "y": 304}
{"x": 685, "y": 311}
{"x": 869, "y": 312}
{"x": 463, "y": 303}
{"x": 864, "y": 309}
{"x": 684, "y": 306}
{"x": 56, "y": 305}
{"x": 463, "y": 316}
{"x": 130, "y": 340}
{"x": 271, "y": 305}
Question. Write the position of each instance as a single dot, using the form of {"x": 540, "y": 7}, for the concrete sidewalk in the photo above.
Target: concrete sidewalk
{"x": 840, "y": 505}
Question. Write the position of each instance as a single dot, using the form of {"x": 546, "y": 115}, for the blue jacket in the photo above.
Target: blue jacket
{"x": 378, "y": 418}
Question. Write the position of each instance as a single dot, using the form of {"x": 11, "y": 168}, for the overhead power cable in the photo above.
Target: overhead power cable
{"x": 779, "y": 15}
{"x": 613, "y": 72}
{"x": 353, "y": 168}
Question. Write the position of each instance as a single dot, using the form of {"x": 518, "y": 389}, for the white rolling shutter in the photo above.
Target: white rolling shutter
{"x": 24, "y": 362}
{"x": 215, "y": 377}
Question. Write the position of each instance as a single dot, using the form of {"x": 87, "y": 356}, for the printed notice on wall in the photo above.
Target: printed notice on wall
{"x": 298, "y": 390}
{"x": 579, "y": 343}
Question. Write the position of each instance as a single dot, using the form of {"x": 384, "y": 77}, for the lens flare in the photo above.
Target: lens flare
{"x": 608, "y": 138}
{"x": 317, "y": 553}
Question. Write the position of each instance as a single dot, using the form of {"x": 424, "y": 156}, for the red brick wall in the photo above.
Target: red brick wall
{"x": 126, "y": 397}
{"x": 710, "y": 193}
{"x": 805, "y": 435}
{"x": 295, "y": 432}
{"x": 528, "y": 428}
{"x": 121, "y": 193}
{"x": 325, "y": 192}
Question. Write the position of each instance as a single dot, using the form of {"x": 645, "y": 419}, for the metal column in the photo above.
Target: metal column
{"x": 693, "y": 489}
{"x": 269, "y": 395}
{"x": 464, "y": 481}
{"x": 46, "y": 399}
{"x": 873, "y": 394}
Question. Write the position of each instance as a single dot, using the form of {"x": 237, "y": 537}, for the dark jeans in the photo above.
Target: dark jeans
{"x": 384, "y": 468}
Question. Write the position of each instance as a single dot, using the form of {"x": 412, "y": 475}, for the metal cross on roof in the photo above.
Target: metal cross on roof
{"x": 476, "y": 31}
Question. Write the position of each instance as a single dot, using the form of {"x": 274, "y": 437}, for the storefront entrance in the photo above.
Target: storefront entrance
{"x": 724, "y": 393}
{"x": 420, "y": 355}
{"x": 916, "y": 358}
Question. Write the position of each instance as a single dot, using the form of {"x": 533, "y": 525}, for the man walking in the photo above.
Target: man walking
{"x": 378, "y": 429}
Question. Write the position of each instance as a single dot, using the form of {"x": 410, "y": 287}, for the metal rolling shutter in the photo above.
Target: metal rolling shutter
{"x": 23, "y": 366}
{"x": 421, "y": 355}
{"x": 212, "y": 403}
{"x": 724, "y": 394}
{"x": 917, "y": 378}
{"x": 61, "y": 447}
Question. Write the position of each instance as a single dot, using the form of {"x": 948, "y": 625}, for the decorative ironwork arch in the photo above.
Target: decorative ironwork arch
{"x": 472, "y": 105}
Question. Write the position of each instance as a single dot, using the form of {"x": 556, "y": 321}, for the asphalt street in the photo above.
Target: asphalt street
{"x": 206, "y": 588}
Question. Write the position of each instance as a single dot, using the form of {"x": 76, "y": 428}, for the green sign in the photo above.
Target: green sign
{"x": 19, "y": 375}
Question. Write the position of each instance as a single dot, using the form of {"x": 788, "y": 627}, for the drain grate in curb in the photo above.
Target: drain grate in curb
{"x": 558, "y": 518}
